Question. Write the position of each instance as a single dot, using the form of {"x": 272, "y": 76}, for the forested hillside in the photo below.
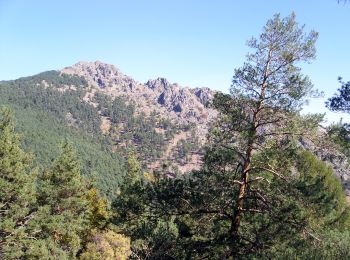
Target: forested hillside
{"x": 95, "y": 165}
{"x": 50, "y": 108}
{"x": 41, "y": 115}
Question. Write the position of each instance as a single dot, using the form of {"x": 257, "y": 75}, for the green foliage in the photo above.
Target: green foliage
{"x": 48, "y": 108}
{"x": 324, "y": 191}
{"x": 108, "y": 246}
{"x": 259, "y": 119}
{"x": 339, "y": 134}
{"x": 194, "y": 213}
{"x": 136, "y": 131}
{"x": 98, "y": 214}
{"x": 121, "y": 112}
{"x": 49, "y": 91}
{"x": 17, "y": 191}
{"x": 258, "y": 195}
{"x": 129, "y": 194}
{"x": 133, "y": 170}
{"x": 326, "y": 212}
{"x": 340, "y": 102}
{"x": 150, "y": 236}
{"x": 61, "y": 197}
{"x": 273, "y": 61}
{"x": 184, "y": 149}
{"x": 52, "y": 215}
{"x": 40, "y": 108}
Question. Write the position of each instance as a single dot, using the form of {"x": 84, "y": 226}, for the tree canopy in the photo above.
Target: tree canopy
{"x": 340, "y": 102}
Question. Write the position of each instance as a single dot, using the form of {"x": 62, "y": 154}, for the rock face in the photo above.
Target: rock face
{"x": 99, "y": 74}
{"x": 181, "y": 104}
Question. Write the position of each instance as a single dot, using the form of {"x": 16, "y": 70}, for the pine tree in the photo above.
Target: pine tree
{"x": 129, "y": 203}
{"x": 98, "y": 214}
{"x": 62, "y": 201}
{"x": 17, "y": 192}
{"x": 133, "y": 170}
{"x": 340, "y": 102}
{"x": 241, "y": 200}
{"x": 266, "y": 94}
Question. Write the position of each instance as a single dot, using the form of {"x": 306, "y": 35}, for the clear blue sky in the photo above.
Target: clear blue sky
{"x": 192, "y": 42}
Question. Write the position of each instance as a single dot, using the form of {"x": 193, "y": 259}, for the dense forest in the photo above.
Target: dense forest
{"x": 69, "y": 190}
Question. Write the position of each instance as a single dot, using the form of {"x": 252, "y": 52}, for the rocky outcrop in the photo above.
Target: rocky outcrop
{"x": 99, "y": 74}
{"x": 205, "y": 95}
{"x": 181, "y": 104}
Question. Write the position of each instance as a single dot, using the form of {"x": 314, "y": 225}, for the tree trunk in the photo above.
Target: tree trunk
{"x": 237, "y": 215}
{"x": 236, "y": 220}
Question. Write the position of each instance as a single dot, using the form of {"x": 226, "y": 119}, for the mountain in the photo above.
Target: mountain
{"x": 180, "y": 104}
{"x": 185, "y": 109}
{"x": 183, "y": 106}
{"x": 48, "y": 109}
{"x": 107, "y": 114}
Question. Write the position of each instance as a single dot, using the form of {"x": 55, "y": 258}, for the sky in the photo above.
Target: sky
{"x": 196, "y": 43}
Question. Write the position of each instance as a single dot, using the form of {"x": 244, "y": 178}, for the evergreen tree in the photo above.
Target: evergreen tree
{"x": 266, "y": 94}
{"x": 150, "y": 234}
{"x": 190, "y": 217}
{"x": 98, "y": 213}
{"x": 56, "y": 216}
{"x": 102, "y": 241}
{"x": 63, "y": 204}
{"x": 17, "y": 192}
{"x": 246, "y": 199}
{"x": 129, "y": 206}
{"x": 340, "y": 102}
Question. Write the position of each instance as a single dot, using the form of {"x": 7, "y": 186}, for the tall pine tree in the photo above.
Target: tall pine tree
{"x": 266, "y": 94}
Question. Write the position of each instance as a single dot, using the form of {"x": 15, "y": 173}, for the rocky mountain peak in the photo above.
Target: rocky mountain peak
{"x": 99, "y": 74}
{"x": 96, "y": 67}
{"x": 205, "y": 95}
{"x": 180, "y": 104}
{"x": 159, "y": 84}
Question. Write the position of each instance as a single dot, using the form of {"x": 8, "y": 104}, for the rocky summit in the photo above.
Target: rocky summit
{"x": 180, "y": 104}
{"x": 186, "y": 108}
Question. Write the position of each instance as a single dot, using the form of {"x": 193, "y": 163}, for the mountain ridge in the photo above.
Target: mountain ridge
{"x": 183, "y": 105}
{"x": 164, "y": 122}
{"x": 180, "y": 104}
